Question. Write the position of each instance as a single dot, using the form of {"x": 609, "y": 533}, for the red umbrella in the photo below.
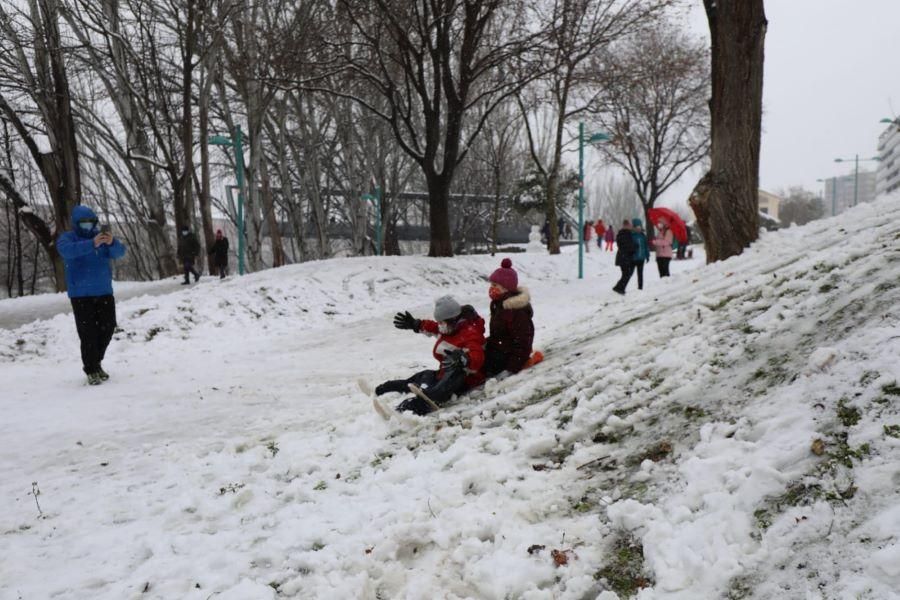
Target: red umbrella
{"x": 676, "y": 224}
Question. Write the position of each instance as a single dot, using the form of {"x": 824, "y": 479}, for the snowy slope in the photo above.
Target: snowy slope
{"x": 730, "y": 432}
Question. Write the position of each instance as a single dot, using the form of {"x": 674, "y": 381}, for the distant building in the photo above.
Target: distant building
{"x": 769, "y": 204}
{"x": 839, "y": 191}
{"x": 888, "y": 174}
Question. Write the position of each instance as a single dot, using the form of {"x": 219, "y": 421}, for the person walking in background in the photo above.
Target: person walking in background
{"x": 560, "y": 225}
{"x": 600, "y": 230}
{"x": 86, "y": 252}
{"x": 188, "y": 251}
{"x": 218, "y": 254}
{"x": 609, "y": 237}
{"x": 681, "y": 251}
{"x": 642, "y": 252}
{"x": 508, "y": 346}
{"x": 588, "y": 228}
{"x": 624, "y": 256}
{"x": 662, "y": 245}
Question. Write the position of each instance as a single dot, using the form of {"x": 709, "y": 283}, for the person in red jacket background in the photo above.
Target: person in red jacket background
{"x": 511, "y": 330}
{"x": 459, "y": 349}
{"x": 600, "y": 230}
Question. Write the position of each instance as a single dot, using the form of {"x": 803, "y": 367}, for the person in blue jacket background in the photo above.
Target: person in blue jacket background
{"x": 642, "y": 253}
{"x": 86, "y": 252}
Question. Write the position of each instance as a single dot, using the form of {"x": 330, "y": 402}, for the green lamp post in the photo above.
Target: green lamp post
{"x": 596, "y": 137}
{"x": 376, "y": 199}
{"x": 856, "y": 160}
{"x": 237, "y": 142}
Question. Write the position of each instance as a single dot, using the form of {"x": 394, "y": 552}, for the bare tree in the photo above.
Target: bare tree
{"x": 613, "y": 199}
{"x": 579, "y": 29}
{"x": 500, "y": 150}
{"x": 725, "y": 199}
{"x": 653, "y": 100}
{"x": 38, "y": 73}
{"x": 441, "y": 67}
{"x": 799, "y": 206}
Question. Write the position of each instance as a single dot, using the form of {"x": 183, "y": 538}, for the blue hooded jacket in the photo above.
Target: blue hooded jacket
{"x": 88, "y": 271}
{"x": 640, "y": 241}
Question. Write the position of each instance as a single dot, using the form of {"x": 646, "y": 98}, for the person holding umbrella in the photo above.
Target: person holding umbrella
{"x": 662, "y": 244}
{"x": 671, "y": 227}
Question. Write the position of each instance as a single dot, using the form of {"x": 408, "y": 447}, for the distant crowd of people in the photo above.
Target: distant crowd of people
{"x": 630, "y": 244}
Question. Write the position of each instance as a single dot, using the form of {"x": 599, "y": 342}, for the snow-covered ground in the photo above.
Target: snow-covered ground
{"x": 732, "y": 431}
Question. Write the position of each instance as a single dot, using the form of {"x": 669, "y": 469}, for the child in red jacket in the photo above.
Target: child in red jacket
{"x": 459, "y": 349}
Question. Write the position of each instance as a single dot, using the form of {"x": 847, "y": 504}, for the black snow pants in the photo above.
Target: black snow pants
{"x": 190, "y": 270}
{"x": 663, "y": 265}
{"x": 439, "y": 390}
{"x": 627, "y": 271}
{"x": 95, "y": 320}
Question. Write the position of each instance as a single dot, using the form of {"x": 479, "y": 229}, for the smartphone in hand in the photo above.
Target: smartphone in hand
{"x": 104, "y": 228}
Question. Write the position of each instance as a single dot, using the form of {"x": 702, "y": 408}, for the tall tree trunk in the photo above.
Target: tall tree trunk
{"x": 295, "y": 212}
{"x": 550, "y": 210}
{"x": 726, "y": 198}
{"x": 186, "y": 209}
{"x": 204, "y": 198}
{"x": 439, "y": 215}
{"x": 271, "y": 217}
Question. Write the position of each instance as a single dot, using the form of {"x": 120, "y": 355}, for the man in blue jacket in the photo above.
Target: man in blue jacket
{"x": 86, "y": 252}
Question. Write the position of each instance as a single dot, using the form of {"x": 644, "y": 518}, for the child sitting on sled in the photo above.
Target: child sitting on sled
{"x": 511, "y": 330}
{"x": 459, "y": 348}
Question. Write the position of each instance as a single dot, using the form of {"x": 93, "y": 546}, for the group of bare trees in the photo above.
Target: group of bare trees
{"x": 111, "y": 102}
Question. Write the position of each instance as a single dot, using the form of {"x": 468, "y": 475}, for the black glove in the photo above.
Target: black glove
{"x": 455, "y": 359}
{"x": 405, "y": 320}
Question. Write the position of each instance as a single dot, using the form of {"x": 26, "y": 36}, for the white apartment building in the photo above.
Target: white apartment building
{"x": 839, "y": 191}
{"x": 888, "y": 174}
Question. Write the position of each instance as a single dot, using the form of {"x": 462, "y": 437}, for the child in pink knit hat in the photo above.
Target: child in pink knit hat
{"x": 508, "y": 347}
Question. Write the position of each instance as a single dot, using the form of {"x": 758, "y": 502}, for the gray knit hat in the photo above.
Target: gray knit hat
{"x": 446, "y": 308}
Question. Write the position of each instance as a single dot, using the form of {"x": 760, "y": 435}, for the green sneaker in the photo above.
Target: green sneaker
{"x": 94, "y": 379}
{"x": 104, "y": 376}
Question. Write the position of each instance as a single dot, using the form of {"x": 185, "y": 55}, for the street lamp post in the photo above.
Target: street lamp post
{"x": 597, "y": 137}
{"x": 376, "y": 198}
{"x": 237, "y": 142}
{"x": 856, "y": 160}
{"x": 833, "y": 194}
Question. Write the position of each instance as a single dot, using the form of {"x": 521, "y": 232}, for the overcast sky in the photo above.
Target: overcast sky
{"x": 832, "y": 72}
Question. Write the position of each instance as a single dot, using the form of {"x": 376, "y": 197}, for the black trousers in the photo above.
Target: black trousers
{"x": 190, "y": 270}
{"x": 439, "y": 390}
{"x": 627, "y": 271}
{"x": 663, "y": 265}
{"x": 223, "y": 269}
{"x": 639, "y": 267}
{"x": 95, "y": 320}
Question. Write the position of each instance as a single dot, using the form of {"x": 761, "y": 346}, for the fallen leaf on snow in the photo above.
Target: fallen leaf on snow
{"x": 818, "y": 447}
{"x": 561, "y": 557}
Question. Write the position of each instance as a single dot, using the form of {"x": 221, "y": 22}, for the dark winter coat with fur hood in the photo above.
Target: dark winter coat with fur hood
{"x": 511, "y": 333}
